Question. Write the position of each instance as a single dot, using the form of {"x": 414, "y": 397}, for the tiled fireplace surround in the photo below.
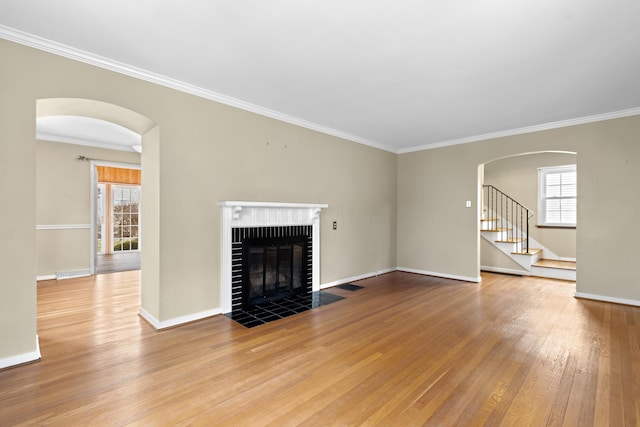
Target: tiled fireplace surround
{"x": 238, "y": 214}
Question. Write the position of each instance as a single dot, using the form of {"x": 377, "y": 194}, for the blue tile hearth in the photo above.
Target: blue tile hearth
{"x": 268, "y": 312}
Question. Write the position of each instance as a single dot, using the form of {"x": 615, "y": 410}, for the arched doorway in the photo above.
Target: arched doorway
{"x": 68, "y": 247}
{"x": 553, "y": 247}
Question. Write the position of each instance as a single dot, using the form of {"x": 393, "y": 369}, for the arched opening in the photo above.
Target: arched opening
{"x": 518, "y": 246}
{"x": 75, "y": 137}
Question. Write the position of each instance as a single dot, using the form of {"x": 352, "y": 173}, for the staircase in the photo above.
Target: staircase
{"x": 505, "y": 225}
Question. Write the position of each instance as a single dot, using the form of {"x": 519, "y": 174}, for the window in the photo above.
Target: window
{"x": 125, "y": 202}
{"x": 557, "y": 195}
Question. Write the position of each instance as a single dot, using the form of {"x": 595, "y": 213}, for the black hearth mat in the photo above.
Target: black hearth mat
{"x": 349, "y": 287}
{"x": 268, "y": 312}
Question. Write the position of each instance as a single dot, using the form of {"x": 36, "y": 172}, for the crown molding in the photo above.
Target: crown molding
{"x": 528, "y": 129}
{"x": 60, "y": 49}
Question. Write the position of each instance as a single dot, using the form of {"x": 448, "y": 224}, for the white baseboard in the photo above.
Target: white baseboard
{"x": 607, "y": 299}
{"x": 554, "y": 273}
{"x": 176, "y": 321}
{"x": 159, "y": 325}
{"x": 386, "y": 270}
{"x": 21, "y": 359}
{"x": 72, "y": 274}
{"x": 505, "y": 271}
{"x": 443, "y": 275}
{"x": 46, "y": 277}
{"x": 354, "y": 278}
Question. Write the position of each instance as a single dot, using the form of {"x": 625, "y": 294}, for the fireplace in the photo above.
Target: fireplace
{"x": 273, "y": 269}
{"x": 270, "y": 264}
{"x": 270, "y": 252}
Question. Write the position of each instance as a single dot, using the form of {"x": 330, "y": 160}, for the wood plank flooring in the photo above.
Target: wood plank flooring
{"x": 405, "y": 350}
{"x": 121, "y": 261}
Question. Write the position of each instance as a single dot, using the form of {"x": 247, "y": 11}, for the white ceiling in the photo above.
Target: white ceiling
{"x": 401, "y": 75}
{"x": 87, "y": 131}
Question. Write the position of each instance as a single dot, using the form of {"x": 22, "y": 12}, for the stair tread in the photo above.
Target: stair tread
{"x": 496, "y": 229}
{"x": 489, "y": 219}
{"x": 532, "y": 251}
{"x": 512, "y": 240}
{"x": 553, "y": 263}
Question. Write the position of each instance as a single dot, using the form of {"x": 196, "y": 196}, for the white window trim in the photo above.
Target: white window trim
{"x": 542, "y": 201}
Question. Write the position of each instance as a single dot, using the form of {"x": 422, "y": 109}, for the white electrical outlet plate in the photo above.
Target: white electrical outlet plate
{"x": 468, "y": 203}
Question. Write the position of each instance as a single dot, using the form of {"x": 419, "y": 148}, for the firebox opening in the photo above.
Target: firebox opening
{"x": 274, "y": 268}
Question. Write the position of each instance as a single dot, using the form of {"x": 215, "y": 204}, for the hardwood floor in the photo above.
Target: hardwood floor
{"x": 121, "y": 261}
{"x": 405, "y": 350}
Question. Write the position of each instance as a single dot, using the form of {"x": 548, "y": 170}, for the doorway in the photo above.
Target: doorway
{"x": 117, "y": 211}
{"x": 550, "y": 249}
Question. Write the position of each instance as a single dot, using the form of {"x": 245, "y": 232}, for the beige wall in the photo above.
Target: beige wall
{"x": 437, "y": 233}
{"x": 517, "y": 176}
{"x": 17, "y": 216}
{"x": 206, "y": 152}
{"x": 492, "y": 257}
{"x": 209, "y": 153}
{"x": 150, "y": 262}
{"x": 63, "y": 197}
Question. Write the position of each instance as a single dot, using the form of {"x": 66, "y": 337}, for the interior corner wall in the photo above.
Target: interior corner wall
{"x": 150, "y": 222}
{"x": 208, "y": 152}
{"x": 63, "y": 198}
{"x": 437, "y": 233}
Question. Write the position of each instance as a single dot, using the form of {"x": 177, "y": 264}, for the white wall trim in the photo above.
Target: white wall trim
{"x": 528, "y": 129}
{"x": 63, "y": 227}
{"x": 60, "y": 49}
{"x": 355, "y": 278}
{"x": 176, "y": 321}
{"x": 554, "y": 273}
{"x": 604, "y": 298}
{"x": 155, "y": 323}
{"x": 443, "y": 275}
{"x": 46, "y": 277}
{"x": 72, "y": 274}
{"x": 281, "y": 205}
{"x": 505, "y": 270}
{"x": 21, "y": 359}
{"x": 160, "y": 325}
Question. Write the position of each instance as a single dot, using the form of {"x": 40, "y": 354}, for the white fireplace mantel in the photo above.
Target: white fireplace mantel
{"x": 237, "y": 214}
{"x": 270, "y": 214}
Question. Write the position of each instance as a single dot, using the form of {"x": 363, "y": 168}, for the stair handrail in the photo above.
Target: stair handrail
{"x": 498, "y": 202}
